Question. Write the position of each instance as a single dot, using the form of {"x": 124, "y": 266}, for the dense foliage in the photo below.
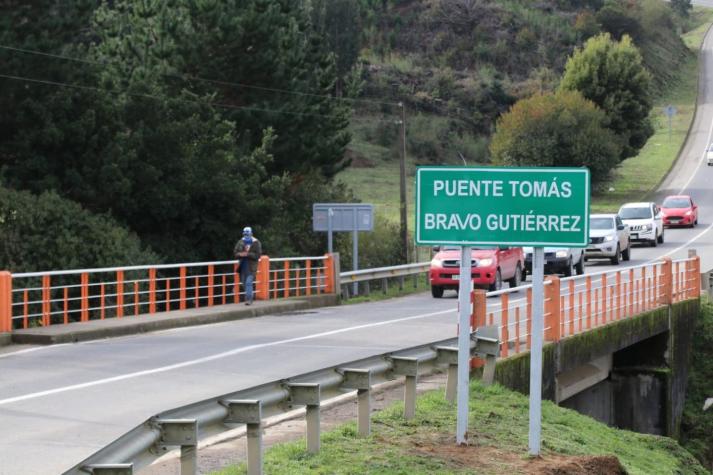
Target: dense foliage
{"x": 697, "y": 426}
{"x": 48, "y": 232}
{"x": 182, "y": 161}
{"x": 560, "y": 130}
{"x": 611, "y": 74}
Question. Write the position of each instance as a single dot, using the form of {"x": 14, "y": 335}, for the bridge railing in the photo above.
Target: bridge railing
{"x": 577, "y": 304}
{"x": 58, "y": 297}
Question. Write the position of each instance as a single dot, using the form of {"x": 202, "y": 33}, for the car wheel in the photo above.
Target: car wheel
{"x": 437, "y": 291}
{"x": 660, "y": 239}
{"x": 523, "y": 278}
{"x": 626, "y": 253}
{"x": 569, "y": 270}
{"x": 617, "y": 257}
{"x": 516, "y": 281}
{"x": 497, "y": 283}
{"x": 580, "y": 265}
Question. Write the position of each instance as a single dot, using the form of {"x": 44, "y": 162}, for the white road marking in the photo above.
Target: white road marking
{"x": 205, "y": 359}
{"x": 687, "y": 243}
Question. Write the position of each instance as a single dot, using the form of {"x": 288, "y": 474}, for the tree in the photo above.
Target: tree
{"x": 611, "y": 74}
{"x": 41, "y": 232}
{"x": 562, "y": 129}
{"x": 682, "y": 7}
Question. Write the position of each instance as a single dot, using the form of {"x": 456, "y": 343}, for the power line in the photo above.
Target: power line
{"x": 197, "y": 78}
{"x": 150, "y": 96}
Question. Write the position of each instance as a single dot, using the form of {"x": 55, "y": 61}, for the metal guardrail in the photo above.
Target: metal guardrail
{"x": 183, "y": 426}
{"x": 381, "y": 273}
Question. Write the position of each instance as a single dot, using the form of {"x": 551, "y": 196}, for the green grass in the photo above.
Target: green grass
{"x": 639, "y": 176}
{"x": 498, "y": 423}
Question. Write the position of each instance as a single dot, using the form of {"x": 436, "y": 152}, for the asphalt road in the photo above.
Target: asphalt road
{"x": 60, "y": 404}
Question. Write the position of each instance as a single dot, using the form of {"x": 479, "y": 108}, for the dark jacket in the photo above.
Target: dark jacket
{"x": 253, "y": 253}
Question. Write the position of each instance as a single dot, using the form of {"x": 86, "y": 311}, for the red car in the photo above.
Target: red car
{"x": 489, "y": 268}
{"x": 679, "y": 210}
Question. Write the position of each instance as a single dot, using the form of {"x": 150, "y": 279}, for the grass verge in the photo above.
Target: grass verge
{"x": 499, "y": 441}
{"x": 421, "y": 285}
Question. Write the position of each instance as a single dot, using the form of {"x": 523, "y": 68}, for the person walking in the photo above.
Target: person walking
{"x": 248, "y": 250}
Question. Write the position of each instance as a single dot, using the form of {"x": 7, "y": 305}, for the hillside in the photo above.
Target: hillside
{"x": 458, "y": 65}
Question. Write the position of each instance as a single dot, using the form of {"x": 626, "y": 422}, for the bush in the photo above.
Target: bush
{"x": 48, "y": 232}
{"x": 560, "y": 130}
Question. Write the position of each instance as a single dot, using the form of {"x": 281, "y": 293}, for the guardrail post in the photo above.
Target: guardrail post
{"x": 109, "y": 469}
{"x": 184, "y": 433}
{"x": 5, "y": 302}
{"x": 552, "y": 308}
{"x": 262, "y": 287}
{"x": 249, "y": 412}
{"x": 488, "y": 345}
{"x": 360, "y": 379}
{"x": 308, "y": 394}
{"x": 666, "y": 281}
{"x": 449, "y": 356}
{"x": 408, "y": 367}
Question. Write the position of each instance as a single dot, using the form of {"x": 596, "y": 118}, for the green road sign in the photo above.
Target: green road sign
{"x": 493, "y": 206}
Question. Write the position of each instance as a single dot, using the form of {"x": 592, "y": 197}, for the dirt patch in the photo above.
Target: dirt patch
{"x": 486, "y": 459}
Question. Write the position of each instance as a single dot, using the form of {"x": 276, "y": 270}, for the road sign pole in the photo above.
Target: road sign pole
{"x": 355, "y": 251}
{"x": 330, "y": 213}
{"x": 464, "y": 289}
{"x": 538, "y": 311}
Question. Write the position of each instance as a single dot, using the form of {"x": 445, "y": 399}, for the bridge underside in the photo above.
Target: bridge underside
{"x": 629, "y": 374}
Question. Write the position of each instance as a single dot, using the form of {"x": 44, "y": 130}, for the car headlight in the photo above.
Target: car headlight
{"x": 485, "y": 262}
{"x": 436, "y": 262}
{"x": 561, "y": 254}
{"x": 608, "y": 238}
{"x": 648, "y": 227}
{"x": 689, "y": 212}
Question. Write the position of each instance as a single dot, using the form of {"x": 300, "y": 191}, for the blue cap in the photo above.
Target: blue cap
{"x": 247, "y": 231}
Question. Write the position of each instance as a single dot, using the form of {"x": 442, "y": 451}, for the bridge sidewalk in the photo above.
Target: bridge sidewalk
{"x": 113, "y": 327}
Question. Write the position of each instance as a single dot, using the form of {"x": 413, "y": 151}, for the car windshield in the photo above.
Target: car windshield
{"x": 676, "y": 203}
{"x": 601, "y": 223}
{"x": 635, "y": 213}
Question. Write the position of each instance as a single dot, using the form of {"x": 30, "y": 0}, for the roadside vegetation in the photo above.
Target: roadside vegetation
{"x": 697, "y": 425}
{"x": 498, "y": 435}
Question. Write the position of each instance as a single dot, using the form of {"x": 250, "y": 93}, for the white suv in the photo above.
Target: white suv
{"x": 645, "y": 222}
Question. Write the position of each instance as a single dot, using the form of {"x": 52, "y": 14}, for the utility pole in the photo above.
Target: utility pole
{"x": 402, "y": 185}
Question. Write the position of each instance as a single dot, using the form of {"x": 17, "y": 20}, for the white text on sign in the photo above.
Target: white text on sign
{"x": 503, "y": 222}
{"x": 498, "y": 188}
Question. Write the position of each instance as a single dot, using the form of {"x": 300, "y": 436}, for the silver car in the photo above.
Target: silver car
{"x": 608, "y": 238}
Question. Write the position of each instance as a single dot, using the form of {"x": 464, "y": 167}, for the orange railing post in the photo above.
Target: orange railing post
{"x": 182, "y": 288}
{"x": 211, "y": 275}
{"x": 552, "y": 308}
{"x": 46, "y": 296}
{"x": 5, "y": 302}
{"x": 619, "y": 304}
{"x": 696, "y": 276}
{"x": 84, "y": 316}
{"x": 478, "y": 318}
{"x": 504, "y": 315}
{"x": 286, "y": 279}
{"x": 120, "y": 293}
{"x": 152, "y": 290}
{"x": 666, "y": 282}
{"x": 262, "y": 287}
{"x": 528, "y": 319}
{"x": 328, "y": 274}
{"x": 308, "y": 277}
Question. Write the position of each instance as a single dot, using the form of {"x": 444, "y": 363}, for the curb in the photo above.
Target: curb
{"x": 110, "y": 328}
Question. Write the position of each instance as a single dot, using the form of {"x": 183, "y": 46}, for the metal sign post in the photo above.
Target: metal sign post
{"x": 465, "y": 285}
{"x": 538, "y": 316}
{"x": 670, "y": 111}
